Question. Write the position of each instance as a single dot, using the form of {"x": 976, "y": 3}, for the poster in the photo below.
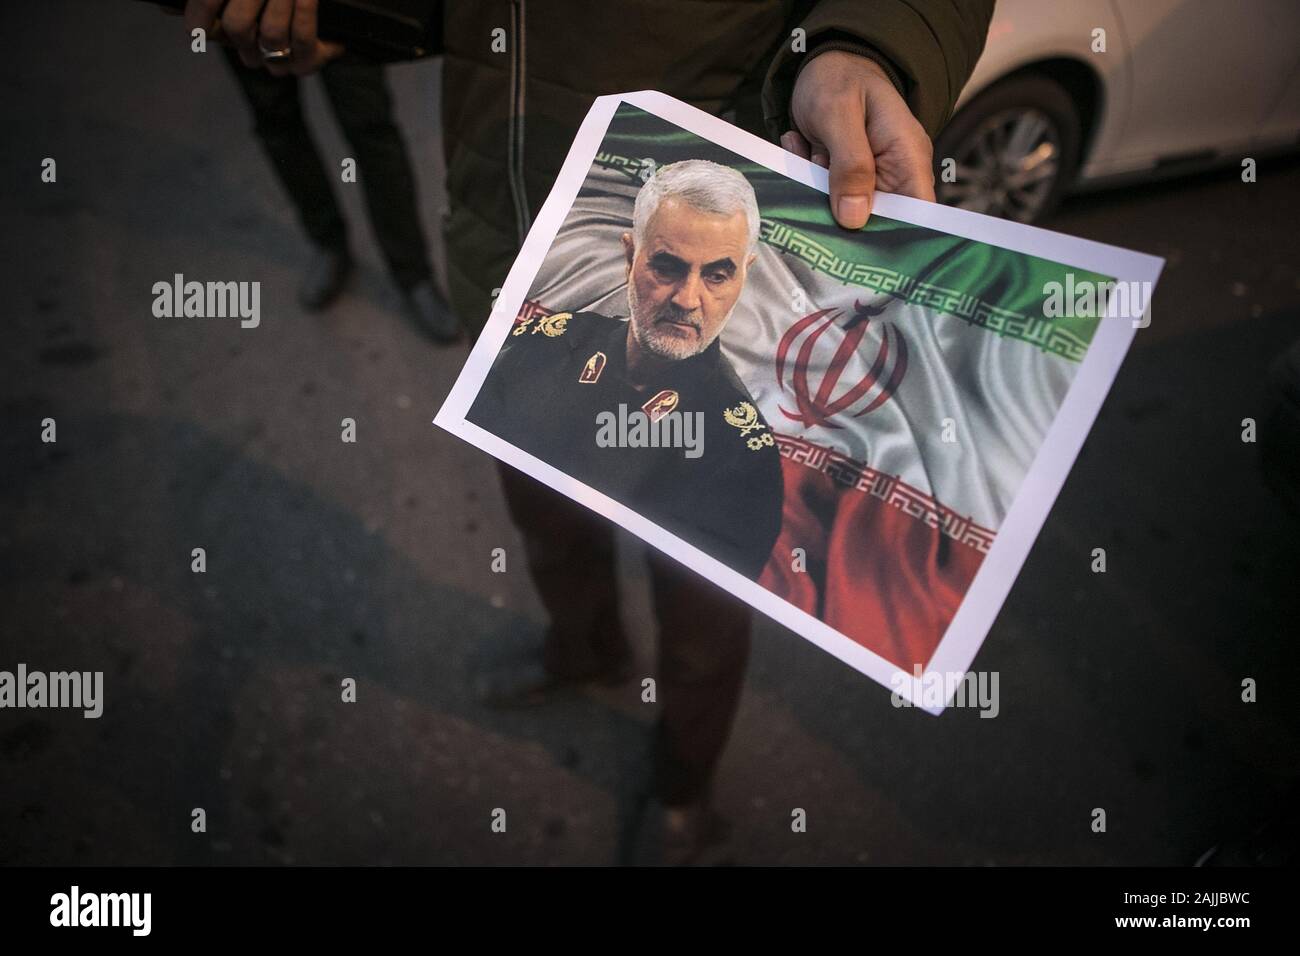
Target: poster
{"x": 859, "y": 433}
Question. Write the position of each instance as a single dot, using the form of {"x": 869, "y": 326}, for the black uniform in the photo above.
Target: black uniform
{"x": 557, "y": 373}
{"x": 542, "y": 395}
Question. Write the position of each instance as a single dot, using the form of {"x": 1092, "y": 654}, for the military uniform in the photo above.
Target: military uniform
{"x": 557, "y": 373}
{"x": 554, "y": 375}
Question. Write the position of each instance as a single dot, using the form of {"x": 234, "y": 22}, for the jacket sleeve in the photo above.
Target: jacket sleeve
{"x": 491, "y": 406}
{"x": 932, "y": 46}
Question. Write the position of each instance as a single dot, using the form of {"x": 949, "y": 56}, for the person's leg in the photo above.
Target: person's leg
{"x": 364, "y": 109}
{"x": 572, "y": 562}
{"x": 703, "y": 650}
{"x": 279, "y": 124}
{"x": 359, "y": 95}
{"x": 704, "y": 636}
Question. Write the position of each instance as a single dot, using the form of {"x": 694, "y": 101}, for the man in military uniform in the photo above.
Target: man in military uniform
{"x": 559, "y": 373}
{"x": 695, "y": 231}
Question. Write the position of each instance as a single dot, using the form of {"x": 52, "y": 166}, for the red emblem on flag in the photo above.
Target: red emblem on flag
{"x": 872, "y": 391}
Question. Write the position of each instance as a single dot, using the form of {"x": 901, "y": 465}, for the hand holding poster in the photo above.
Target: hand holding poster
{"x": 859, "y": 433}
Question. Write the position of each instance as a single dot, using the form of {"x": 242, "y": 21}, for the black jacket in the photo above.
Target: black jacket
{"x": 559, "y": 377}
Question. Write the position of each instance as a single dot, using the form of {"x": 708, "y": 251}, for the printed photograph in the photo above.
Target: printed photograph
{"x": 615, "y": 434}
{"x": 843, "y": 417}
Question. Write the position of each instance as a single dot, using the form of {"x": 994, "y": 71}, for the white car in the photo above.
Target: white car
{"x": 1083, "y": 93}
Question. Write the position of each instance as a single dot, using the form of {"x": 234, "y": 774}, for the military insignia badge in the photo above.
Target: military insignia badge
{"x": 745, "y": 417}
{"x": 553, "y": 325}
{"x": 660, "y": 405}
{"x": 591, "y": 371}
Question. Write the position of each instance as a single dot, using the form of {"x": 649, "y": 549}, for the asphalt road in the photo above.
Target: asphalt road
{"x": 370, "y": 560}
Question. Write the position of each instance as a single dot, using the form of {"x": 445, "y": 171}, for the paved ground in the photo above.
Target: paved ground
{"x": 328, "y": 560}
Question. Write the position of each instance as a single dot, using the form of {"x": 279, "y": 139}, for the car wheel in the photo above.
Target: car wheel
{"x": 1015, "y": 149}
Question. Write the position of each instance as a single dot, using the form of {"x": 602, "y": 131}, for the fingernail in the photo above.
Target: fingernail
{"x": 785, "y": 142}
{"x": 853, "y": 209}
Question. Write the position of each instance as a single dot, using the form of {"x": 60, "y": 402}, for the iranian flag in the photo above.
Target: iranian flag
{"x": 909, "y": 377}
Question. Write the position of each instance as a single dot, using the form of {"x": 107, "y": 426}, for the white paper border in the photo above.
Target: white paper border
{"x": 1037, "y": 492}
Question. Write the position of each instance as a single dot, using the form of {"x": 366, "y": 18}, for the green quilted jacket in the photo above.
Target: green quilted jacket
{"x": 519, "y": 76}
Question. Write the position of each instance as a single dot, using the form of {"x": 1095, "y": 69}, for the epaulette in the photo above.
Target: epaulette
{"x": 552, "y": 326}
{"x": 583, "y": 324}
{"x": 745, "y": 417}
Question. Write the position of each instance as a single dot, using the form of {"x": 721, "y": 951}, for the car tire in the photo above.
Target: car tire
{"x": 997, "y": 187}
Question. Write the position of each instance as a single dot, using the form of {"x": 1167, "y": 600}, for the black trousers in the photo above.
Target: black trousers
{"x": 703, "y": 631}
{"x": 359, "y": 97}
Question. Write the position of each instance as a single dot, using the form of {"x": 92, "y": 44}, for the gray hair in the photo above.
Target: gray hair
{"x": 704, "y": 185}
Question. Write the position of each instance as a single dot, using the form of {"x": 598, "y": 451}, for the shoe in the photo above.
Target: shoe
{"x": 430, "y": 313}
{"x": 693, "y": 834}
{"x": 323, "y": 278}
{"x": 534, "y": 686}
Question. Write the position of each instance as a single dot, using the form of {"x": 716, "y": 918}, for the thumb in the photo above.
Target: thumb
{"x": 852, "y": 168}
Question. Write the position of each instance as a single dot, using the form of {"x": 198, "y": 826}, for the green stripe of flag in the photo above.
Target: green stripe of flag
{"x": 988, "y": 286}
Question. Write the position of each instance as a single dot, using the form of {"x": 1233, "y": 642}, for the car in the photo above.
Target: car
{"x": 1084, "y": 94}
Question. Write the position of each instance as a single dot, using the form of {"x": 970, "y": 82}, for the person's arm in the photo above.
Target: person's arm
{"x": 256, "y": 27}
{"x": 931, "y": 46}
{"x": 878, "y": 80}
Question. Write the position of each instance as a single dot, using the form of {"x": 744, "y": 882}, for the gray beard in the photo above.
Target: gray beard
{"x": 655, "y": 342}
